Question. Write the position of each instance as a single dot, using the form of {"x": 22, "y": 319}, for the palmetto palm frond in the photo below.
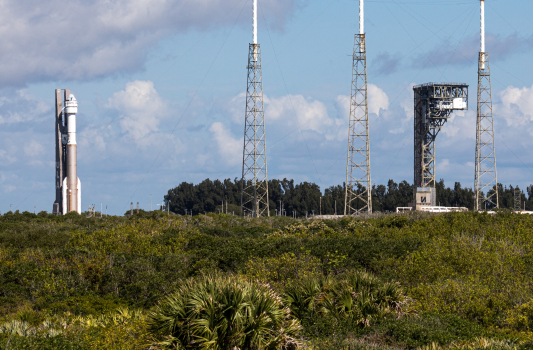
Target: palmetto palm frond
{"x": 214, "y": 312}
{"x": 358, "y": 296}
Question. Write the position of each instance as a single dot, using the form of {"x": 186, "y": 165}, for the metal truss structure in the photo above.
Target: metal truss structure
{"x": 254, "y": 183}
{"x": 60, "y": 125}
{"x": 358, "y": 194}
{"x": 434, "y": 103}
{"x": 517, "y": 199}
{"x": 486, "y": 177}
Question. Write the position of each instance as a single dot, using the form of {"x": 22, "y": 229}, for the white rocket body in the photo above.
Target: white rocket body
{"x": 71, "y": 184}
{"x": 66, "y": 197}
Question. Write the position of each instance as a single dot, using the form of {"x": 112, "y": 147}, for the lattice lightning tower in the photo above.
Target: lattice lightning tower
{"x": 486, "y": 177}
{"x": 517, "y": 199}
{"x": 254, "y": 182}
{"x": 358, "y": 196}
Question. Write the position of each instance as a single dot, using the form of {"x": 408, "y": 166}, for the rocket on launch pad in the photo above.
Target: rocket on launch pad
{"x": 68, "y": 186}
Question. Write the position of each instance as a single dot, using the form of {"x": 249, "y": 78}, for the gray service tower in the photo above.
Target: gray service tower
{"x": 434, "y": 103}
{"x": 68, "y": 186}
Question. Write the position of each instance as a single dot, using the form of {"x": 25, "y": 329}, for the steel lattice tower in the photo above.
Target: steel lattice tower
{"x": 517, "y": 199}
{"x": 358, "y": 195}
{"x": 486, "y": 177}
{"x": 254, "y": 182}
{"x": 433, "y": 105}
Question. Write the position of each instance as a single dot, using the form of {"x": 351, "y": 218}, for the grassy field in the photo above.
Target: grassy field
{"x": 449, "y": 281}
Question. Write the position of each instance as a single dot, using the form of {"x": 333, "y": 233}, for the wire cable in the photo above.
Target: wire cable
{"x": 190, "y": 102}
{"x": 288, "y": 94}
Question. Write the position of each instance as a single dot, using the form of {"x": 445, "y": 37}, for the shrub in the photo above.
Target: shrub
{"x": 358, "y": 296}
{"x": 521, "y": 317}
{"x": 59, "y": 342}
{"x": 216, "y": 312}
{"x": 281, "y": 270}
{"x": 80, "y": 305}
{"x": 429, "y": 328}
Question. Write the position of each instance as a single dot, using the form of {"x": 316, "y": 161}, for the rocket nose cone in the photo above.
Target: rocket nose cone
{"x": 71, "y": 97}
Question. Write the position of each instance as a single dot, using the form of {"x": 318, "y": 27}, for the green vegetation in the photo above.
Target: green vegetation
{"x": 217, "y": 312}
{"x": 306, "y": 197}
{"x": 416, "y": 281}
{"x": 358, "y": 298}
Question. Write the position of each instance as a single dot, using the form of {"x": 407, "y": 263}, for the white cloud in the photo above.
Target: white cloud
{"x": 34, "y": 149}
{"x": 377, "y": 99}
{"x": 235, "y": 107}
{"x": 408, "y": 104}
{"x": 228, "y": 147}
{"x": 292, "y": 112}
{"x": 443, "y": 165}
{"x": 516, "y": 105}
{"x": 8, "y": 182}
{"x": 311, "y": 115}
{"x": 9, "y": 188}
{"x": 6, "y": 157}
{"x": 18, "y": 106}
{"x": 297, "y": 113}
{"x": 342, "y": 105}
{"x": 100, "y": 38}
{"x": 94, "y": 138}
{"x": 141, "y": 109}
{"x": 399, "y": 118}
{"x": 461, "y": 126}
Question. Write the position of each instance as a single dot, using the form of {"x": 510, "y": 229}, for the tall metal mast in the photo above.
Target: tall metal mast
{"x": 486, "y": 178}
{"x": 358, "y": 196}
{"x": 254, "y": 182}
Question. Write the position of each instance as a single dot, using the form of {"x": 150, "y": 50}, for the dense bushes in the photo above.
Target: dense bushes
{"x": 122, "y": 329}
{"x": 467, "y": 275}
{"x": 430, "y": 328}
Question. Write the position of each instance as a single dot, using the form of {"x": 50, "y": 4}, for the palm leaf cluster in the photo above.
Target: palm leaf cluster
{"x": 215, "y": 312}
{"x": 357, "y": 296}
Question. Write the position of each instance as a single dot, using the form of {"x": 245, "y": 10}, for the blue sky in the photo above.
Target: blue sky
{"x": 161, "y": 86}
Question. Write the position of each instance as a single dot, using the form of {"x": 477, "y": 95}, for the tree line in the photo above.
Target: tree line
{"x": 288, "y": 197}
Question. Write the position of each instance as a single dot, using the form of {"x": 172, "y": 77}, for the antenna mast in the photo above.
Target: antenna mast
{"x": 358, "y": 195}
{"x": 486, "y": 179}
{"x": 361, "y": 17}
{"x": 482, "y": 26}
{"x": 254, "y": 182}
{"x": 254, "y": 9}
